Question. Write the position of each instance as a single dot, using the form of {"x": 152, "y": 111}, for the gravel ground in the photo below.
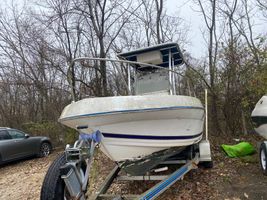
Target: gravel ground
{"x": 22, "y": 180}
{"x": 230, "y": 179}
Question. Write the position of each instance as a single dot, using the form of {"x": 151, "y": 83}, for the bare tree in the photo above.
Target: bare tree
{"x": 245, "y": 28}
{"x": 106, "y": 19}
{"x": 25, "y": 70}
{"x": 66, "y": 30}
{"x": 210, "y": 21}
{"x": 263, "y": 6}
{"x": 159, "y": 8}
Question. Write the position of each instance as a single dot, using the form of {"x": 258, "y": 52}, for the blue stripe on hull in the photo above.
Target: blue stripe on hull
{"x": 151, "y": 137}
{"x": 130, "y": 111}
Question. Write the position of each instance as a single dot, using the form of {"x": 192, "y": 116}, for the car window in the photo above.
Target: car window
{"x": 4, "y": 135}
{"x": 16, "y": 134}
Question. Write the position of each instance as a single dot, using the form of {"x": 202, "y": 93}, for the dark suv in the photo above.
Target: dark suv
{"x": 15, "y": 144}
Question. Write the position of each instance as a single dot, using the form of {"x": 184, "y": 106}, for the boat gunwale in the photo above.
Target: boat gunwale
{"x": 129, "y": 111}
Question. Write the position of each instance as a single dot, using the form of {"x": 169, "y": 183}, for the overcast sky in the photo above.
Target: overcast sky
{"x": 187, "y": 10}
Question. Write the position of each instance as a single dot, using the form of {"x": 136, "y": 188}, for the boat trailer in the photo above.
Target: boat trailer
{"x": 70, "y": 172}
{"x": 76, "y": 179}
{"x": 166, "y": 181}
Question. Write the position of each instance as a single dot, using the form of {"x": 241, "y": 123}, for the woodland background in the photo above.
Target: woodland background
{"x": 38, "y": 44}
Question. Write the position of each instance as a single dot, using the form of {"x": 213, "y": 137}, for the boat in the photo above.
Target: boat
{"x": 149, "y": 125}
{"x": 259, "y": 117}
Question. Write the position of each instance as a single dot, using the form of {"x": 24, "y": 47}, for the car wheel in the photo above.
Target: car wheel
{"x": 45, "y": 149}
{"x": 263, "y": 158}
{"x": 53, "y": 186}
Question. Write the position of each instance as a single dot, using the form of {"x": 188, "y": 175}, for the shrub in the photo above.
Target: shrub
{"x": 60, "y": 135}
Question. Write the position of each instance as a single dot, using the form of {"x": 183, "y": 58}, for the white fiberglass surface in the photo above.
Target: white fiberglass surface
{"x": 261, "y": 107}
{"x": 262, "y": 130}
{"x": 117, "y": 120}
{"x": 263, "y": 159}
{"x": 105, "y": 105}
{"x": 167, "y": 127}
{"x": 122, "y": 149}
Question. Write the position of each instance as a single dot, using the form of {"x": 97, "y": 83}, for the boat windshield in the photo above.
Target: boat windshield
{"x": 151, "y": 81}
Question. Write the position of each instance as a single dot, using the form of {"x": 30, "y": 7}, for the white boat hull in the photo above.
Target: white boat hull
{"x": 262, "y": 130}
{"x": 136, "y": 126}
{"x": 259, "y": 117}
{"x": 141, "y": 139}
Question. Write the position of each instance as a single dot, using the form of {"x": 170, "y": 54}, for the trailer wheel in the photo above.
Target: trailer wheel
{"x": 191, "y": 152}
{"x": 53, "y": 186}
{"x": 263, "y": 156}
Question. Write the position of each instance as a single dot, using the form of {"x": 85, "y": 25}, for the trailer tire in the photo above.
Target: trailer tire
{"x": 263, "y": 158}
{"x": 191, "y": 152}
{"x": 53, "y": 186}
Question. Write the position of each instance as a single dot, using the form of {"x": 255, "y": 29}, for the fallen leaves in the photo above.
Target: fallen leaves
{"x": 230, "y": 179}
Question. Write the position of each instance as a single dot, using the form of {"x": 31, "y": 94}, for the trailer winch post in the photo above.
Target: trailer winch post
{"x": 204, "y": 145}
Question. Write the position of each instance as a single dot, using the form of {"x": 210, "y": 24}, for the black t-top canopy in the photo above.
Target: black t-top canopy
{"x": 157, "y": 55}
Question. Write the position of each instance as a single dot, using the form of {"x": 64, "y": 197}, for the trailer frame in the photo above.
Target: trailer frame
{"x": 166, "y": 181}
